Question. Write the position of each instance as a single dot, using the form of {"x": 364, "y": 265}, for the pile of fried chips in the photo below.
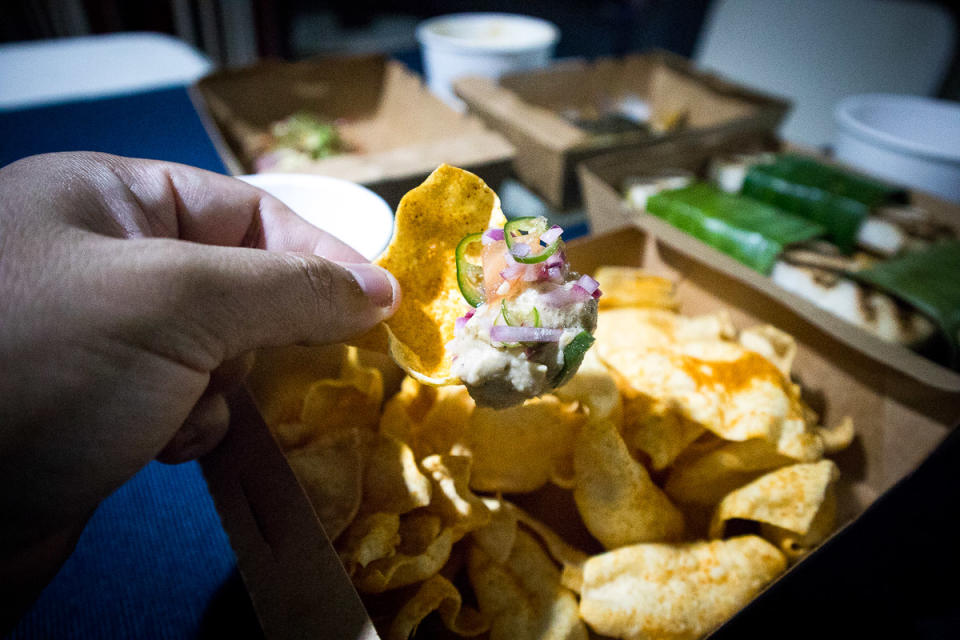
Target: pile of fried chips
{"x": 694, "y": 472}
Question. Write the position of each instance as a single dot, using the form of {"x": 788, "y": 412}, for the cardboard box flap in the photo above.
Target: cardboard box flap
{"x": 504, "y": 107}
{"x": 529, "y": 109}
{"x": 396, "y": 131}
{"x": 294, "y": 576}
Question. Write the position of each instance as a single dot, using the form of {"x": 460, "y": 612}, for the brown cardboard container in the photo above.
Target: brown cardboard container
{"x": 601, "y": 180}
{"x": 295, "y": 585}
{"x": 526, "y": 108}
{"x": 401, "y": 130}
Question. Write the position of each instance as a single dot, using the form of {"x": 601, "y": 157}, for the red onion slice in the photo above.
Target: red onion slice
{"x": 512, "y": 271}
{"x": 564, "y": 297}
{"x": 504, "y": 333}
{"x": 521, "y": 250}
{"x": 491, "y": 235}
{"x": 551, "y": 234}
{"x": 589, "y": 284}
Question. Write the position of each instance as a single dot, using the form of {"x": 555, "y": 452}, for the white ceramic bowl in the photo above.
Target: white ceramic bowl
{"x": 909, "y": 140}
{"x": 485, "y": 44}
{"x": 348, "y": 210}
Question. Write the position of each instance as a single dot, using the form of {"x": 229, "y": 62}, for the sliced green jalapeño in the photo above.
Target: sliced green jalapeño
{"x": 516, "y": 229}
{"x": 512, "y": 319}
{"x": 470, "y": 274}
{"x": 572, "y": 357}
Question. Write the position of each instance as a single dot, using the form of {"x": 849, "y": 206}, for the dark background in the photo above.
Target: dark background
{"x": 294, "y": 29}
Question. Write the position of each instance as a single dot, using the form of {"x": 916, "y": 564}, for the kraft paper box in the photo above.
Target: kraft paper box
{"x": 602, "y": 178}
{"x": 299, "y": 592}
{"x": 528, "y": 109}
{"x": 399, "y": 131}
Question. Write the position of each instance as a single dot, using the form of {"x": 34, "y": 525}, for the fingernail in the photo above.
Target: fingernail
{"x": 379, "y": 284}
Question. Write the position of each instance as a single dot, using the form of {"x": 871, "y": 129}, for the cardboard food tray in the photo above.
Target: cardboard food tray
{"x": 601, "y": 179}
{"x": 278, "y": 540}
{"x": 526, "y": 107}
{"x": 401, "y": 130}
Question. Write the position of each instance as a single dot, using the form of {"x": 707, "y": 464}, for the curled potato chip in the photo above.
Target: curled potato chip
{"x": 789, "y": 498}
{"x": 773, "y": 344}
{"x": 437, "y": 594}
{"x": 705, "y": 479}
{"x": 618, "y": 501}
{"x": 733, "y": 392}
{"x": 392, "y": 480}
{"x": 523, "y": 597}
{"x": 674, "y": 592}
{"x": 353, "y": 399}
{"x": 838, "y": 437}
{"x": 423, "y": 549}
{"x": 496, "y": 538}
{"x": 513, "y": 450}
{"x": 407, "y": 408}
{"x": 330, "y": 470}
{"x": 633, "y": 287}
{"x": 281, "y": 377}
{"x": 430, "y": 222}
{"x": 657, "y": 430}
{"x": 461, "y": 509}
{"x": 304, "y": 391}
{"x": 594, "y": 387}
{"x": 793, "y": 544}
{"x": 370, "y": 537}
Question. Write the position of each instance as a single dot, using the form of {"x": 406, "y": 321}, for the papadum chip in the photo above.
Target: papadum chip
{"x": 674, "y": 591}
{"x": 437, "y": 594}
{"x": 392, "y": 480}
{"x": 523, "y": 597}
{"x": 706, "y": 478}
{"x": 513, "y": 450}
{"x": 330, "y": 469}
{"x": 632, "y": 287}
{"x": 430, "y": 222}
{"x": 618, "y": 501}
{"x": 788, "y": 498}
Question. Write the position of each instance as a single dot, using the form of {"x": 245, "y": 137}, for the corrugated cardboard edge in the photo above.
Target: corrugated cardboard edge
{"x": 549, "y": 147}
{"x": 606, "y": 211}
{"x": 296, "y": 581}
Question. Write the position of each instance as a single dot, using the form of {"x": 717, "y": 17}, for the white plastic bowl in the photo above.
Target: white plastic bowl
{"x": 484, "y": 44}
{"x": 909, "y": 140}
{"x": 345, "y": 209}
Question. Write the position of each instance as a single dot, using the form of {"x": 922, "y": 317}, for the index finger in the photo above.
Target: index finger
{"x": 210, "y": 208}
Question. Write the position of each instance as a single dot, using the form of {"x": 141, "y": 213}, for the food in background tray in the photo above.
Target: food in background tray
{"x": 683, "y": 468}
{"x": 626, "y": 114}
{"x": 789, "y": 248}
{"x": 857, "y": 212}
{"x": 298, "y": 139}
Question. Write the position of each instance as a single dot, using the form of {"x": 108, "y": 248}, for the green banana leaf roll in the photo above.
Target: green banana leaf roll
{"x": 928, "y": 279}
{"x": 839, "y": 200}
{"x": 749, "y": 231}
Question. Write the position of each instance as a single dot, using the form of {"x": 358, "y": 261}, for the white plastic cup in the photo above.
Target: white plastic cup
{"x": 912, "y": 141}
{"x": 484, "y": 44}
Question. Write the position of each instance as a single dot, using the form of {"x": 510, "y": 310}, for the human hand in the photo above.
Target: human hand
{"x": 130, "y": 291}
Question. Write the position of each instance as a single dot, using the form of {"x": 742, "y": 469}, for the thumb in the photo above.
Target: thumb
{"x": 231, "y": 300}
